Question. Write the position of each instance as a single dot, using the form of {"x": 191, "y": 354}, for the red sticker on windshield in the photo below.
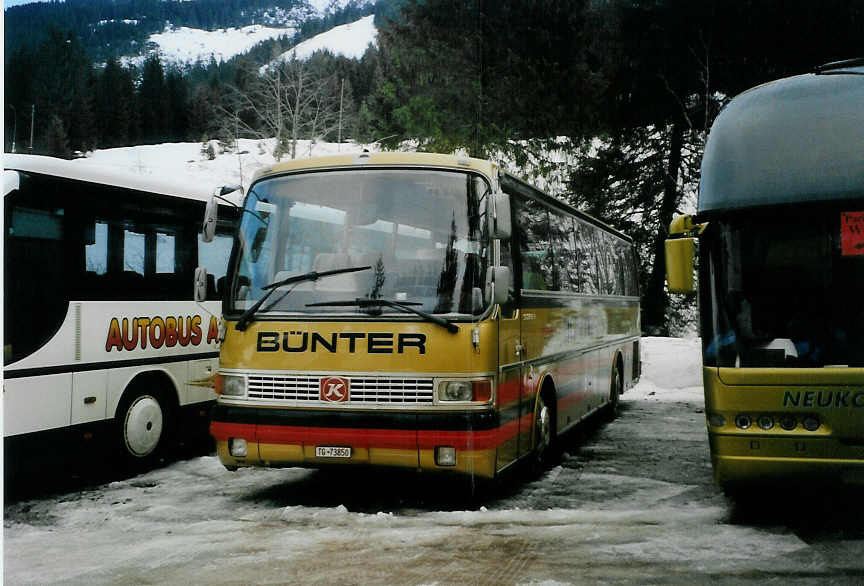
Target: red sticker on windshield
{"x": 852, "y": 233}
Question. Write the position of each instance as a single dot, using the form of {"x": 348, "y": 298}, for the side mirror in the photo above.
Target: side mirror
{"x": 211, "y": 214}
{"x": 680, "y": 256}
{"x": 200, "y": 292}
{"x": 499, "y": 216}
{"x": 498, "y": 284}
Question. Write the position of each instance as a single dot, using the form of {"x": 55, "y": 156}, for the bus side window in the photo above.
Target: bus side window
{"x": 561, "y": 228}
{"x": 587, "y": 261}
{"x": 537, "y": 261}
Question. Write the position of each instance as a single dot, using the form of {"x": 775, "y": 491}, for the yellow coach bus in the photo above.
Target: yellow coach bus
{"x": 780, "y": 224}
{"x": 419, "y": 311}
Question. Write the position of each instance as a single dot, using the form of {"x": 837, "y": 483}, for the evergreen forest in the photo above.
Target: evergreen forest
{"x": 614, "y": 98}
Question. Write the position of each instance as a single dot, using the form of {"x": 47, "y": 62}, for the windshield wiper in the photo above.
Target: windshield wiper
{"x": 402, "y": 305}
{"x": 246, "y": 318}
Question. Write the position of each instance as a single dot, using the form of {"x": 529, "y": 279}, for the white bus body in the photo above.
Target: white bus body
{"x": 103, "y": 343}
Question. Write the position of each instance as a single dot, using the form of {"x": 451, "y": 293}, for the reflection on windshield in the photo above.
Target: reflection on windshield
{"x": 419, "y": 230}
{"x": 782, "y": 293}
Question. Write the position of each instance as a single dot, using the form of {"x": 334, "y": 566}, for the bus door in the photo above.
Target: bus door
{"x": 509, "y": 371}
{"x": 509, "y": 386}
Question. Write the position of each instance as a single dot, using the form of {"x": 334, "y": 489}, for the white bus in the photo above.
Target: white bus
{"x": 103, "y": 344}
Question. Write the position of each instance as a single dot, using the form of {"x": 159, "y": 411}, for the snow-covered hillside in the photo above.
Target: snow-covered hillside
{"x": 349, "y": 40}
{"x": 183, "y": 45}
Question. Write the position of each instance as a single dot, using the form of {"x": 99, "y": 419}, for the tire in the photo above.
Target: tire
{"x": 616, "y": 387}
{"x": 143, "y": 423}
{"x": 543, "y": 434}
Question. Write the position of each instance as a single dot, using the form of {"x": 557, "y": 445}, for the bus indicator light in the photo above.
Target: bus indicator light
{"x": 811, "y": 423}
{"x": 237, "y": 447}
{"x": 445, "y": 456}
{"x": 788, "y": 422}
{"x": 765, "y": 422}
{"x": 743, "y": 421}
{"x": 482, "y": 390}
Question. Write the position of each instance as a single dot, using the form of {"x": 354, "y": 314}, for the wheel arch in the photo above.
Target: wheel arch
{"x": 618, "y": 362}
{"x": 160, "y": 379}
{"x": 548, "y": 390}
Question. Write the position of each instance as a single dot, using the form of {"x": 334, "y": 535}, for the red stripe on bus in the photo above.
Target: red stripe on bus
{"x": 221, "y": 431}
{"x": 364, "y": 438}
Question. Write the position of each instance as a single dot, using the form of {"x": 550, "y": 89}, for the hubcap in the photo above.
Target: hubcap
{"x": 544, "y": 427}
{"x": 142, "y": 428}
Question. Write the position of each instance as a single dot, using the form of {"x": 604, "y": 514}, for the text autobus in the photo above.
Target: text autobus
{"x": 382, "y": 311}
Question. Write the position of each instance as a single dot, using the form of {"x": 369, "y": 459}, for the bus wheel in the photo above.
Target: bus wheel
{"x": 615, "y": 389}
{"x": 542, "y": 431}
{"x": 143, "y": 418}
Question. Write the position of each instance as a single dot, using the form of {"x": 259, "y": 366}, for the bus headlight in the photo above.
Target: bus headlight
{"x": 230, "y": 385}
{"x": 743, "y": 421}
{"x": 766, "y": 422}
{"x": 465, "y": 390}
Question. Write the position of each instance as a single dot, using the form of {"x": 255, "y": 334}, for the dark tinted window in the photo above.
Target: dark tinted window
{"x": 75, "y": 241}
{"x": 532, "y": 221}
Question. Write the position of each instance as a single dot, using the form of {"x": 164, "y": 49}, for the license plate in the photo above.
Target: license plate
{"x": 332, "y": 452}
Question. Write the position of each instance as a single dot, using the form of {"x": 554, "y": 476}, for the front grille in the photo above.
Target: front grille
{"x": 364, "y": 390}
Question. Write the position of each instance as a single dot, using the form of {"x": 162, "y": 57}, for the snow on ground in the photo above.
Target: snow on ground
{"x": 630, "y": 502}
{"x": 672, "y": 370}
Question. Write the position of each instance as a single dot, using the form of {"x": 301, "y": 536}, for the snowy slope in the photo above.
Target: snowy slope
{"x": 183, "y": 45}
{"x": 350, "y": 40}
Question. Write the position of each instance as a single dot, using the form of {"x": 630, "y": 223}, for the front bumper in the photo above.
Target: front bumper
{"x": 288, "y": 437}
{"x": 747, "y": 459}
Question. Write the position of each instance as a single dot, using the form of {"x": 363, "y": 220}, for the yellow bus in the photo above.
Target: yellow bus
{"x": 780, "y": 223}
{"x": 420, "y": 311}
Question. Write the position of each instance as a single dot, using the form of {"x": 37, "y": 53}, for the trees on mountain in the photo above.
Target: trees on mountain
{"x": 290, "y": 99}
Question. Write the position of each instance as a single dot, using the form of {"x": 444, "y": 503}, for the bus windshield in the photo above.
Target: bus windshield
{"x": 418, "y": 232}
{"x": 784, "y": 289}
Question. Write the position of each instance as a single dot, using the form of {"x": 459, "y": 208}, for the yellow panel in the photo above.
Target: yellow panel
{"x": 280, "y": 454}
{"x": 393, "y": 457}
{"x": 790, "y": 376}
{"x": 478, "y": 462}
{"x": 442, "y": 351}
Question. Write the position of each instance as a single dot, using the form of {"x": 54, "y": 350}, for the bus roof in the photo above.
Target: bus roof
{"x": 385, "y": 159}
{"x": 789, "y": 141}
{"x": 430, "y": 160}
{"x": 82, "y": 170}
